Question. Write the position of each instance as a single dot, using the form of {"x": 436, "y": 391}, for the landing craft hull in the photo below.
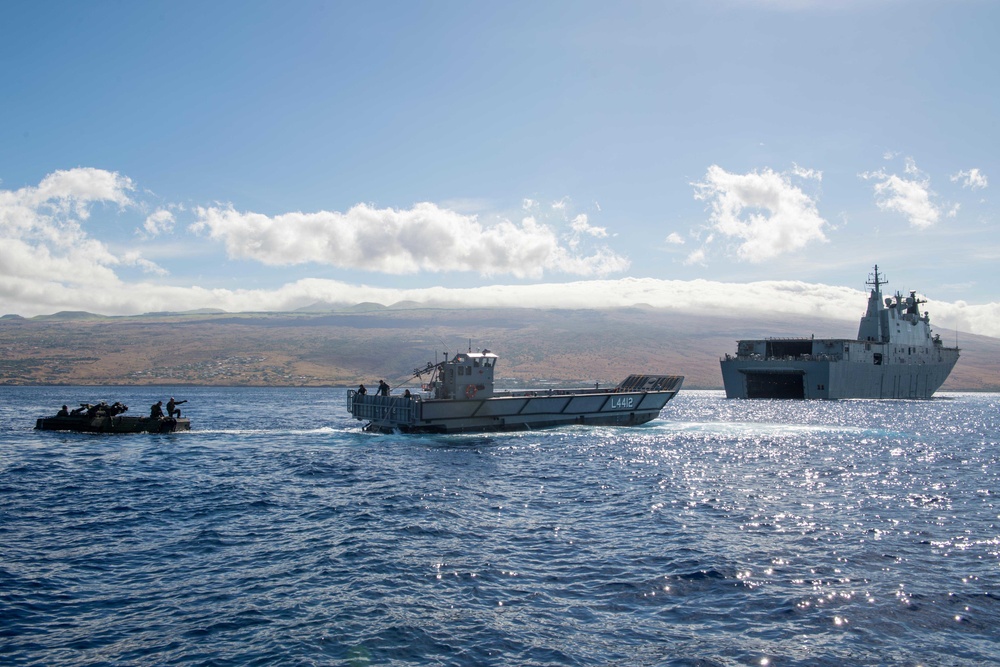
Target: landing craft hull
{"x": 513, "y": 412}
{"x": 117, "y": 424}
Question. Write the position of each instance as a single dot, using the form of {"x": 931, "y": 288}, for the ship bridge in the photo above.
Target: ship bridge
{"x": 466, "y": 375}
{"x": 896, "y": 319}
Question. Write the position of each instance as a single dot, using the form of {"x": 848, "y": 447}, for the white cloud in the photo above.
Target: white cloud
{"x": 801, "y": 172}
{"x": 41, "y": 233}
{"x": 30, "y": 297}
{"x": 694, "y": 296}
{"x": 60, "y": 201}
{"x": 972, "y": 179}
{"x": 49, "y": 262}
{"x": 80, "y": 187}
{"x": 86, "y": 264}
{"x": 911, "y": 197}
{"x": 423, "y": 238}
{"x": 159, "y": 222}
{"x": 135, "y": 258}
{"x": 763, "y": 210}
{"x": 675, "y": 239}
{"x": 695, "y": 257}
{"x": 581, "y": 225}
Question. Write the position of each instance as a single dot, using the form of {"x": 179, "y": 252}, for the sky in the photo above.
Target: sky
{"x": 724, "y": 156}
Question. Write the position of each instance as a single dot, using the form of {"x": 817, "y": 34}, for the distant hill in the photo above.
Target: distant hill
{"x": 362, "y": 344}
{"x": 69, "y": 315}
{"x": 196, "y": 311}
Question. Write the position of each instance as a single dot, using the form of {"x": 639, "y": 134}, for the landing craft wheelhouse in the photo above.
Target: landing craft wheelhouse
{"x": 459, "y": 396}
{"x": 894, "y": 356}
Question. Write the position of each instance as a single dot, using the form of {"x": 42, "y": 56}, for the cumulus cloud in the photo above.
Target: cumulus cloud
{"x": 60, "y": 201}
{"x": 581, "y": 227}
{"x": 675, "y": 239}
{"x": 908, "y": 196}
{"x": 159, "y": 222}
{"x": 972, "y": 179}
{"x": 764, "y": 211}
{"x": 49, "y": 261}
{"x": 695, "y": 257}
{"x": 423, "y": 238}
{"x": 41, "y": 233}
{"x": 135, "y": 258}
{"x": 801, "y": 172}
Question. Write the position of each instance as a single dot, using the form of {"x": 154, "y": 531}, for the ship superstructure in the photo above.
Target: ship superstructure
{"x": 895, "y": 355}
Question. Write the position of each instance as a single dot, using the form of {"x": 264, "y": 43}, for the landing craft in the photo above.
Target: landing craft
{"x": 460, "y": 397}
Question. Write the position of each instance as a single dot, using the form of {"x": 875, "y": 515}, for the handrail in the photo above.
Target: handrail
{"x": 382, "y": 409}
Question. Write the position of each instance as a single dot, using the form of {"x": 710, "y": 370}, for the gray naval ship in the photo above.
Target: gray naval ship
{"x": 459, "y": 397}
{"x": 894, "y": 356}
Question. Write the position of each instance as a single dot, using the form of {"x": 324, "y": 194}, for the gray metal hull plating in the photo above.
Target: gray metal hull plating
{"x": 834, "y": 379}
{"x": 509, "y": 412}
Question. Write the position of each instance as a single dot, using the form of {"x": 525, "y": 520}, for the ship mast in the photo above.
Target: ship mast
{"x": 871, "y": 328}
{"x": 877, "y": 284}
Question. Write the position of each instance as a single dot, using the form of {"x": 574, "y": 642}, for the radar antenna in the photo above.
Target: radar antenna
{"x": 877, "y": 282}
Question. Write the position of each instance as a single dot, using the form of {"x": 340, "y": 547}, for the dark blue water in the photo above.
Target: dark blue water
{"x": 726, "y": 533}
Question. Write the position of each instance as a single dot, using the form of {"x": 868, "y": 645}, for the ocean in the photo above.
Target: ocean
{"x": 761, "y": 533}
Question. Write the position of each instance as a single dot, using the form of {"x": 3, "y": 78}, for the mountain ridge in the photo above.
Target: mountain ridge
{"x": 348, "y": 346}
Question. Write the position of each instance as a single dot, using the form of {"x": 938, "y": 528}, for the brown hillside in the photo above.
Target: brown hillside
{"x": 344, "y": 348}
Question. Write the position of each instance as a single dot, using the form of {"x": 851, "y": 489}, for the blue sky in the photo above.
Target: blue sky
{"x": 733, "y": 154}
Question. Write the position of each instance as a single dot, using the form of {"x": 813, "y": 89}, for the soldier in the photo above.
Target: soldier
{"x": 156, "y": 410}
{"x": 171, "y": 407}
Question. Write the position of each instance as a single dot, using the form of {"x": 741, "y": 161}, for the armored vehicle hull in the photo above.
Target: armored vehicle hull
{"x": 115, "y": 424}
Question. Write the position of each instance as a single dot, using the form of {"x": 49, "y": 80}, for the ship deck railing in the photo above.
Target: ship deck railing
{"x": 383, "y": 409}
{"x": 789, "y": 357}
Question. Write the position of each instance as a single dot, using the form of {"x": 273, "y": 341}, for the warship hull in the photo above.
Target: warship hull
{"x": 513, "y": 411}
{"x": 807, "y": 378}
{"x": 116, "y": 424}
